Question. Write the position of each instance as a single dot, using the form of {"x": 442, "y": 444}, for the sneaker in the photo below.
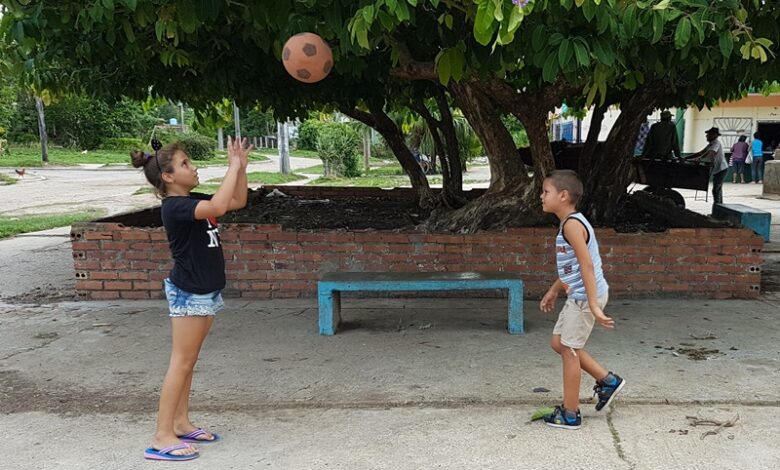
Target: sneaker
{"x": 558, "y": 419}
{"x": 606, "y": 393}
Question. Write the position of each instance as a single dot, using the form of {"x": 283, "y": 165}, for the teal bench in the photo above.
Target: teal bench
{"x": 330, "y": 287}
{"x": 755, "y": 219}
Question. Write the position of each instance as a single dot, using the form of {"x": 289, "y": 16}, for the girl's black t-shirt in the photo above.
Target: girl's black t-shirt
{"x": 199, "y": 264}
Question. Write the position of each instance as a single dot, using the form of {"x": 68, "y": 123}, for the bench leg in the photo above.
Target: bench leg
{"x": 330, "y": 311}
{"x": 515, "y": 325}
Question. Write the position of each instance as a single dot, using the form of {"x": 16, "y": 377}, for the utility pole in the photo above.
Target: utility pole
{"x": 284, "y": 147}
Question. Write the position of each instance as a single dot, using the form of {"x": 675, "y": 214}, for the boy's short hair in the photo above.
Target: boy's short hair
{"x": 567, "y": 180}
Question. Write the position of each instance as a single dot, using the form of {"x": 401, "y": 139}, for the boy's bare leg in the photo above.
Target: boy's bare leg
{"x": 572, "y": 375}
{"x": 589, "y": 365}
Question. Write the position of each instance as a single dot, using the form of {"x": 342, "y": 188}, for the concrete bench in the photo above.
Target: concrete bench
{"x": 749, "y": 217}
{"x": 331, "y": 286}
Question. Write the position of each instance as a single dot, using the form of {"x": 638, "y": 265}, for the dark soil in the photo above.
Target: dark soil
{"x": 400, "y": 212}
{"x": 348, "y": 213}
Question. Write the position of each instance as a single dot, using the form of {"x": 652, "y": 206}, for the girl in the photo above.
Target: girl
{"x": 194, "y": 286}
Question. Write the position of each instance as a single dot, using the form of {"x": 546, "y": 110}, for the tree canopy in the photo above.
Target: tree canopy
{"x": 489, "y": 58}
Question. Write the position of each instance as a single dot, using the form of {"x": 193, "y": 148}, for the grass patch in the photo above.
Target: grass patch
{"x": 5, "y": 180}
{"x": 371, "y": 181}
{"x": 377, "y": 170}
{"x": 206, "y": 188}
{"x": 24, "y": 157}
{"x": 221, "y": 159}
{"x": 266, "y": 177}
{"x": 14, "y": 225}
{"x": 293, "y": 153}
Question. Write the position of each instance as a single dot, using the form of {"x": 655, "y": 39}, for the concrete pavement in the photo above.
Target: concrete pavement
{"x": 410, "y": 383}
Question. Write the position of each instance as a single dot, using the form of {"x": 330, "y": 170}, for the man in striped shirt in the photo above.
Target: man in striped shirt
{"x": 580, "y": 276}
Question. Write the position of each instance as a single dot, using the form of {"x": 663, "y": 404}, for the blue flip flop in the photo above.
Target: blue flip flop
{"x": 165, "y": 454}
{"x": 193, "y": 436}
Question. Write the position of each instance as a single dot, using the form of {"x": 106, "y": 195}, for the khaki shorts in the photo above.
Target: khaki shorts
{"x": 575, "y": 322}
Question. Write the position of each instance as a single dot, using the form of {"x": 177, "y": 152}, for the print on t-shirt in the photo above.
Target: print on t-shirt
{"x": 213, "y": 232}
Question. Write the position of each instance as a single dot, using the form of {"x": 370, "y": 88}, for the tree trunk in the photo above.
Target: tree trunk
{"x": 612, "y": 172}
{"x": 591, "y": 141}
{"x": 452, "y": 152}
{"x": 507, "y": 171}
{"x": 510, "y": 200}
{"x": 44, "y": 137}
{"x": 394, "y": 138}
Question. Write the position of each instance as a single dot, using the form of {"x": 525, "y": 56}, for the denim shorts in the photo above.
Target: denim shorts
{"x": 186, "y": 304}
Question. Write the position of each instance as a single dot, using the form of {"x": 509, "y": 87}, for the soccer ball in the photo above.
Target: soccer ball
{"x": 307, "y": 57}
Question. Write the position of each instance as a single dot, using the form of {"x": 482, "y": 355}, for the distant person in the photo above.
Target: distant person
{"x": 662, "y": 140}
{"x": 757, "y": 165}
{"x": 713, "y": 152}
{"x": 581, "y": 278}
{"x": 739, "y": 153}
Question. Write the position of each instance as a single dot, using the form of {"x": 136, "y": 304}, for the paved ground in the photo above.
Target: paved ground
{"x": 409, "y": 384}
{"x": 412, "y": 384}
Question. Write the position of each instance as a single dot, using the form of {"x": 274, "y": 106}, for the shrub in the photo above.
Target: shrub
{"x": 198, "y": 147}
{"x": 307, "y": 134}
{"x": 337, "y": 146}
{"x": 122, "y": 144}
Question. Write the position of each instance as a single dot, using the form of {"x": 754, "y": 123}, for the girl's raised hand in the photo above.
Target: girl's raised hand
{"x": 239, "y": 150}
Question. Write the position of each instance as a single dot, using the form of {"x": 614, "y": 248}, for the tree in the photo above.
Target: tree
{"x": 488, "y": 57}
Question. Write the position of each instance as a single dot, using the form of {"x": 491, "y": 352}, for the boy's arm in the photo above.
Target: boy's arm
{"x": 548, "y": 301}
{"x": 238, "y": 201}
{"x": 576, "y": 235}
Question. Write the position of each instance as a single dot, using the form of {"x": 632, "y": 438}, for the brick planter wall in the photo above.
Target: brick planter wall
{"x": 114, "y": 261}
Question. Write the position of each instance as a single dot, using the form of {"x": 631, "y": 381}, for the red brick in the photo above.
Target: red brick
{"x": 88, "y": 285}
{"x": 148, "y": 285}
{"x": 134, "y": 275}
{"x": 118, "y": 285}
{"x": 104, "y": 275}
{"x": 135, "y": 235}
{"x": 134, "y": 294}
{"x": 98, "y": 236}
{"x": 283, "y": 236}
{"x": 104, "y": 295}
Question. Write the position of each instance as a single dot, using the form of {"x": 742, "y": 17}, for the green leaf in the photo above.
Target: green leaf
{"x": 108, "y": 4}
{"x": 662, "y": 5}
{"x": 159, "y": 29}
{"x": 550, "y": 69}
{"x": 726, "y": 43}
{"x": 603, "y": 51}
{"x": 629, "y": 20}
{"x": 362, "y": 37}
{"x": 443, "y": 67}
{"x": 131, "y": 4}
{"x": 484, "y": 26}
{"x": 412, "y": 2}
{"x": 581, "y": 51}
{"x": 448, "y": 20}
{"x": 555, "y": 39}
{"x": 538, "y": 38}
{"x": 682, "y": 34}
{"x": 368, "y": 14}
{"x": 658, "y": 26}
{"x": 565, "y": 53}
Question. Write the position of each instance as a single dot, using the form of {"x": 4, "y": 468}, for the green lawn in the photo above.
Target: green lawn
{"x": 14, "y": 225}
{"x": 22, "y": 157}
{"x": 371, "y": 181}
{"x": 293, "y": 153}
{"x": 266, "y": 177}
{"x": 393, "y": 169}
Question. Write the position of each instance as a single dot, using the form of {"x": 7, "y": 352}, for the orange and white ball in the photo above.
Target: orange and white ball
{"x": 307, "y": 57}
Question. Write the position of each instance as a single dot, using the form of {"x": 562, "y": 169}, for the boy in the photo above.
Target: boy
{"x": 581, "y": 277}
